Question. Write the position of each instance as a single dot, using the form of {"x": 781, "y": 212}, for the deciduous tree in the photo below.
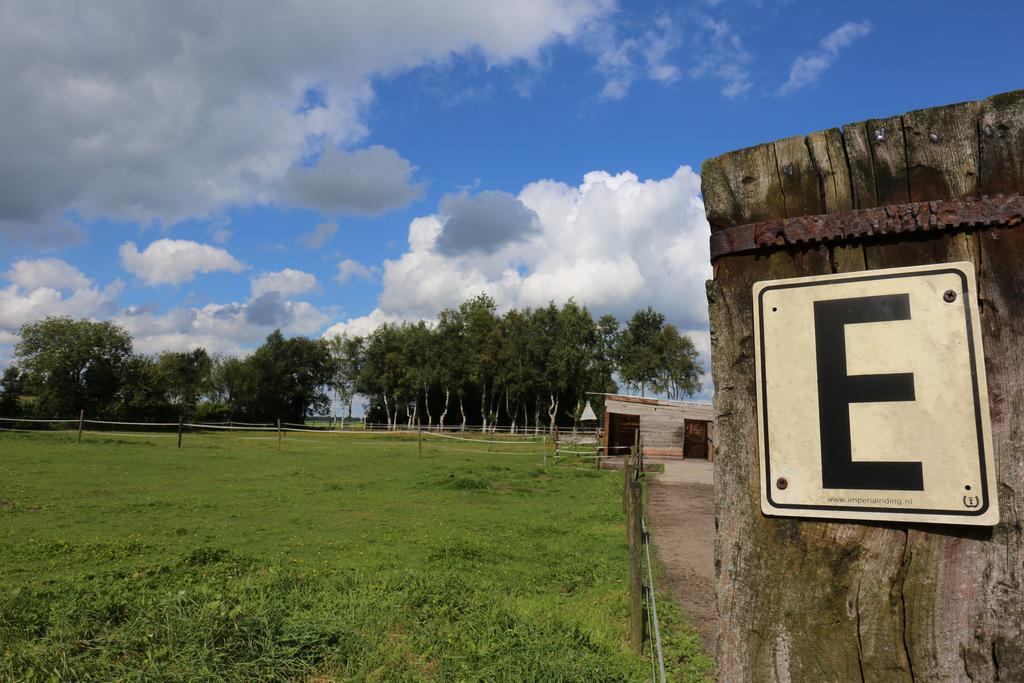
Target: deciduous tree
{"x": 73, "y": 364}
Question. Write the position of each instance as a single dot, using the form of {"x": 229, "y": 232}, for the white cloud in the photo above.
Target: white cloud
{"x": 360, "y": 326}
{"x": 19, "y": 306}
{"x": 224, "y": 328}
{"x": 808, "y": 67}
{"x": 164, "y": 111}
{"x": 172, "y": 262}
{"x": 40, "y": 288}
{"x": 721, "y": 56}
{"x": 47, "y": 272}
{"x": 287, "y": 282}
{"x": 50, "y": 287}
{"x": 621, "y": 61}
{"x": 349, "y": 268}
{"x": 614, "y": 242}
{"x": 318, "y": 236}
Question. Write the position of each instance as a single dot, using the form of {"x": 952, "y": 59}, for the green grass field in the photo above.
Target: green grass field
{"x": 339, "y": 558}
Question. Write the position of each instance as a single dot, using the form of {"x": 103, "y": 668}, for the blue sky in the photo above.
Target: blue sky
{"x": 204, "y": 175}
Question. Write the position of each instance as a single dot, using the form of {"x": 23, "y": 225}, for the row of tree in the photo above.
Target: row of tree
{"x": 62, "y": 366}
{"x": 522, "y": 368}
{"x": 513, "y": 368}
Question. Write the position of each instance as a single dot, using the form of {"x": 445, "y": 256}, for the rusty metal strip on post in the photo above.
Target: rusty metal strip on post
{"x": 894, "y": 219}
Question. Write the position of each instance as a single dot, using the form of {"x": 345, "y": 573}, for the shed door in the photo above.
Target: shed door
{"x": 695, "y": 443}
{"x": 622, "y": 432}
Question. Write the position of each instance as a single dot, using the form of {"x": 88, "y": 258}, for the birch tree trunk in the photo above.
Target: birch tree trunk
{"x": 387, "y": 410}
{"x": 806, "y": 600}
{"x": 512, "y": 422}
{"x": 483, "y": 407}
{"x": 491, "y": 412}
{"x": 440, "y": 420}
{"x": 426, "y": 405}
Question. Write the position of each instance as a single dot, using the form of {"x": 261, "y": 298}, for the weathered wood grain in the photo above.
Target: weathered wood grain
{"x": 888, "y": 160}
{"x": 942, "y": 151}
{"x": 829, "y": 159}
{"x": 742, "y": 187}
{"x": 862, "y": 170}
{"x": 808, "y": 600}
{"x": 720, "y": 204}
{"x": 801, "y": 189}
{"x": 1001, "y": 143}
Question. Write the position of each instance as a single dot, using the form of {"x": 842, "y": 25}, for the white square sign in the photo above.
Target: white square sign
{"x": 871, "y": 397}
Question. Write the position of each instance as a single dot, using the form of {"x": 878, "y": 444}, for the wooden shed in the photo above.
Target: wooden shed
{"x": 682, "y": 429}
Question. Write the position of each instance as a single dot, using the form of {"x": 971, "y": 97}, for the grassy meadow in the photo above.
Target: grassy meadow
{"x": 339, "y": 558}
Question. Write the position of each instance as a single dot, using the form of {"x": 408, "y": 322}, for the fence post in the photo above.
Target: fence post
{"x": 878, "y": 592}
{"x": 81, "y": 424}
{"x": 627, "y": 468}
{"x": 545, "y": 450}
{"x": 419, "y": 437}
{"x": 640, "y": 455}
{"x": 636, "y": 588}
{"x": 180, "y": 421}
{"x": 280, "y": 434}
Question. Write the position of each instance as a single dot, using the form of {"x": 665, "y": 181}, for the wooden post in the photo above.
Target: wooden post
{"x": 545, "y": 450}
{"x": 181, "y": 420}
{"x": 607, "y": 428}
{"x": 419, "y": 437}
{"x": 81, "y": 424}
{"x": 892, "y": 601}
{"x": 280, "y": 434}
{"x": 634, "y": 528}
{"x": 627, "y": 473}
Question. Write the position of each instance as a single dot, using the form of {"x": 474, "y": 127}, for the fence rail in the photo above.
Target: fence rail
{"x": 481, "y": 442}
{"x": 339, "y": 424}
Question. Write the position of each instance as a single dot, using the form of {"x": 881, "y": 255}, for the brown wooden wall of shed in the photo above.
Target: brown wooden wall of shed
{"x": 663, "y": 428}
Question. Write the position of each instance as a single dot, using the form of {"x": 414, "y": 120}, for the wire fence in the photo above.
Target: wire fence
{"x": 472, "y": 439}
{"x": 644, "y": 626}
{"x": 281, "y": 432}
{"x": 651, "y": 603}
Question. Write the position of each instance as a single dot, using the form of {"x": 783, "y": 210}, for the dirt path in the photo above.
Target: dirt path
{"x": 681, "y": 512}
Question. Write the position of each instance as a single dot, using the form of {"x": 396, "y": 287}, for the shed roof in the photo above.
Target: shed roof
{"x": 692, "y": 409}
